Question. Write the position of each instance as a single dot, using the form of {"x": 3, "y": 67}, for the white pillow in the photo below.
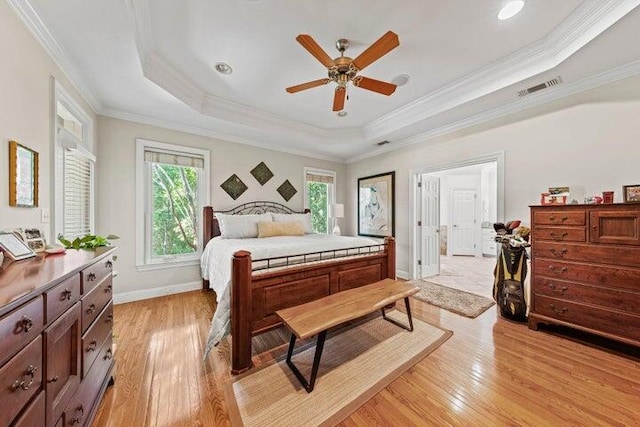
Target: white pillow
{"x": 240, "y": 226}
{"x": 304, "y": 218}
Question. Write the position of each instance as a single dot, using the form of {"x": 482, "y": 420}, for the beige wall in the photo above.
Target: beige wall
{"x": 117, "y": 190}
{"x": 26, "y": 106}
{"x": 591, "y": 148}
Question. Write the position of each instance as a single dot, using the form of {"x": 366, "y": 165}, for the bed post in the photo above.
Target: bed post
{"x": 207, "y": 234}
{"x": 241, "y": 312}
{"x": 391, "y": 256}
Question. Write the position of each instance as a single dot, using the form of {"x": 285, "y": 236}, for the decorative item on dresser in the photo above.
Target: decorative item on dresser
{"x": 586, "y": 269}
{"x": 56, "y": 316}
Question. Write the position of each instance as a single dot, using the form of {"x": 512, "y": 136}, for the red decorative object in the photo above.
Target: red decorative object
{"x": 552, "y": 199}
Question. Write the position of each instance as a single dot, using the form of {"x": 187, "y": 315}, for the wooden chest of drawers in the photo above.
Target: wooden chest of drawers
{"x": 586, "y": 269}
{"x": 56, "y": 358}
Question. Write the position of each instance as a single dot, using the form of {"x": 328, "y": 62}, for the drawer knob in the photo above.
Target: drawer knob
{"x": 108, "y": 355}
{"x": 91, "y": 309}
{"x": 91, "y": 277}
{"x": 555, "y": 289}
{"x": 558, "y": 310}
{"x": 562, "y": 219}
{"x": 66, "y": 295}
{"x": 109, "y": 264}
{"x": 557, "y": 269}
{"x": 79, "y": 414}
{"x": 108, "y": 288}
{"x": 109, "y": 319}
{"x": 559, "y": 236}
{"x": 53, "y": 379}
{"x": 27, "y": 376}
{"x": 92, "y": 346}
{"x": 559, "y": 252}
{"x": 24, "y": 324}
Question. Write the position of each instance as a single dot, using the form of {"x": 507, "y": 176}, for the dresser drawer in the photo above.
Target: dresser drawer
{"x": 598, "y": 319}
{"x": 560, "y": 234}
{"x": 608, "y": 276}
{"x": 616, "y": 299}
{"x": 559, "y": 217}
{"x": 93, "y": 275}
{"x": 95, "y": 337}
{"x": 80, "y": 406}
{"x": 20, "y": 379}
{"x": 34, "y": 415}
{"x": 95, "y": 301}
{"x": 616, "y": 255}
{"x": 61, "y": 297}
{"x": 20, "y": 327}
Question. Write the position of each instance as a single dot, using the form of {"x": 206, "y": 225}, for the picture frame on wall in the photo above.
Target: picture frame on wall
{"x": 631, "y": 193}
{"x": 376, "y": 205}
{"x": 23, "y": 176}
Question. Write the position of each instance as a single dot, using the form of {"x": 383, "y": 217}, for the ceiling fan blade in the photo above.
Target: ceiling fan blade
{"x": 338, "y": 98}
{"x": 314, "y": 49}
{"x": 378, "y": 49}
{"x": 374, "y": 85}
{"x": 307, "y": 85}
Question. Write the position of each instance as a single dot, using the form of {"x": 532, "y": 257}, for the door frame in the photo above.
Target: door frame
{"x": 414, "y": 174}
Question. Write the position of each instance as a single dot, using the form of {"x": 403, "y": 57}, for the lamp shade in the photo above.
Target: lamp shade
{"x": 337, "y": 210}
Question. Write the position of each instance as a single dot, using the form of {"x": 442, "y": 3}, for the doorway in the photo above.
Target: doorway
{"x": 455, "y": 206}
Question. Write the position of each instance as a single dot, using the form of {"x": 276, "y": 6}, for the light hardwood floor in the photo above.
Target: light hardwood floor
{"x": 490, "y": 372}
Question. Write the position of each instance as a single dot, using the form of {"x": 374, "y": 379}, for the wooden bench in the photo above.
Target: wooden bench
{"x": 317, "y": 317}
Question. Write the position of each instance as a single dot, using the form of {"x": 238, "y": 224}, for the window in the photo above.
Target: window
{"x": 319, "y": 194}
{"x": 173, "y": 187}
{"x": 73, "y": 168}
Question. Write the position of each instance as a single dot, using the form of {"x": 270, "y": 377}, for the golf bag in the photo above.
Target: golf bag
{"x": 508, "y": 285}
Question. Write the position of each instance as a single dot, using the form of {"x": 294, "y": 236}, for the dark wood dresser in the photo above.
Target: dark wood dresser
{"x": 56, "y": 358}
{"x": 586, "y": 269}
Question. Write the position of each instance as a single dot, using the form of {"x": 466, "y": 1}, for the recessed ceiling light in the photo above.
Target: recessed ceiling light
{"x": 401, "y": 80}
{"x": 342, "y": 113}
{"x": 510, "y": 9}
{"x": 223, "y": 68}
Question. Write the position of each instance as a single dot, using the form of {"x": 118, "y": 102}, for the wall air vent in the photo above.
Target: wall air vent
{"x": 381, "y": 143}
{"x": 536, "y": 88}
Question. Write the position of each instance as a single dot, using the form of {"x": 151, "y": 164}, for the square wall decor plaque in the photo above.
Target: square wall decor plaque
{"x": 286, "y": 190}
{"x": 234, "y": 186}
{"x": 262, "y": 173}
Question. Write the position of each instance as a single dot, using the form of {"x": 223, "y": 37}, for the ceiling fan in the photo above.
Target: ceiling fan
{"x": 343, "y": 69}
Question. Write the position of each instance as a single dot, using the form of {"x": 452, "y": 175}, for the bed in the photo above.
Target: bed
{"x": 250, "y": 287}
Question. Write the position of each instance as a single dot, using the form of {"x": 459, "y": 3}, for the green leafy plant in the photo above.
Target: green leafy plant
{"x": 87, "y": 242}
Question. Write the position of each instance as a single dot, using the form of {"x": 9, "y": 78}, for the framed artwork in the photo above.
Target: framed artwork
{"x": 23, "y": 176}
{"x": 376, "y": 205}
{"x": 631, "y": 193}
{"x": 14, "y": 248}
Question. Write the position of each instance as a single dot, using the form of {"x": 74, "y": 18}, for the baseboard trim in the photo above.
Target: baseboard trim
{"x": 123, "y": 297}
{"x": 402, "y": 274}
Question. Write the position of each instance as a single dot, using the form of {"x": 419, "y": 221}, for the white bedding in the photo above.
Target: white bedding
{"x": 216, "y": 265}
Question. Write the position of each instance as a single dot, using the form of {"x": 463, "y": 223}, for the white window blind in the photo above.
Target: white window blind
{"x": 177, "y": 159}
{"x": 78, "y": 171}
{"x": 314, "y": 177}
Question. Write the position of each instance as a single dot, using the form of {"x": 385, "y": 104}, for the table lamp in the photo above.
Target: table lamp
{"x": 337, "y": 211}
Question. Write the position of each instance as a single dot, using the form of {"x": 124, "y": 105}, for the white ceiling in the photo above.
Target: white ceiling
{"x": 152, "y": 61}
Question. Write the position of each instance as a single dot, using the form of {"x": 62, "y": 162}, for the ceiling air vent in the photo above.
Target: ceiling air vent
{"x": 536, "y": 88}
{"x": 381, "y": 143}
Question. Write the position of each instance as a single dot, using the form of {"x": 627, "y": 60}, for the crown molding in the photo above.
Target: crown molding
{"x": 533, "y": 100}
{"x": 589, "y": 20}
{"x": 36, "y": 26}
{"x": 195, "y": 130}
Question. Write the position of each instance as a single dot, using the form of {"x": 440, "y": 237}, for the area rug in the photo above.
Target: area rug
{"x": 454, "y": 300}
{"x": 357, "y": 363}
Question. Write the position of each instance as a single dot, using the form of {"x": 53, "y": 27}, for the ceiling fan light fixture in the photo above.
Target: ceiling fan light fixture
{"x": 401, "y": 80}
{"x": 510, "y": 9}
{"x": 223, "y": 68}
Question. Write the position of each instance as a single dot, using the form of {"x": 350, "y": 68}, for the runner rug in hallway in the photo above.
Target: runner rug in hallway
{"x": 357, "y": 363}
{"x": 454, "y": 300}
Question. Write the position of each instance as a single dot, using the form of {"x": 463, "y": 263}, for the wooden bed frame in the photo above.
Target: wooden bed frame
{"x": 256, "y": 297}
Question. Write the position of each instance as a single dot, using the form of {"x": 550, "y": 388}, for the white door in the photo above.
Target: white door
{"x": 463, "y": 215}
{"x": 430, "y": 227}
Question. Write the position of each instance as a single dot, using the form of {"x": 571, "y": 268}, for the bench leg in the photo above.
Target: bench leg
{"x": 308, "y": 385}
{"x": 395, "y": 322}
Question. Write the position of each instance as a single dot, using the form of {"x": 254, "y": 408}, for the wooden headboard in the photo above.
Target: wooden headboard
{"x": 210, "y": 225}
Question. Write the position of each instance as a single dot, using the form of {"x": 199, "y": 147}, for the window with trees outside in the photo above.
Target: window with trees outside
{"x": 174, "y": 181}
{"x": 319, "y": 195}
